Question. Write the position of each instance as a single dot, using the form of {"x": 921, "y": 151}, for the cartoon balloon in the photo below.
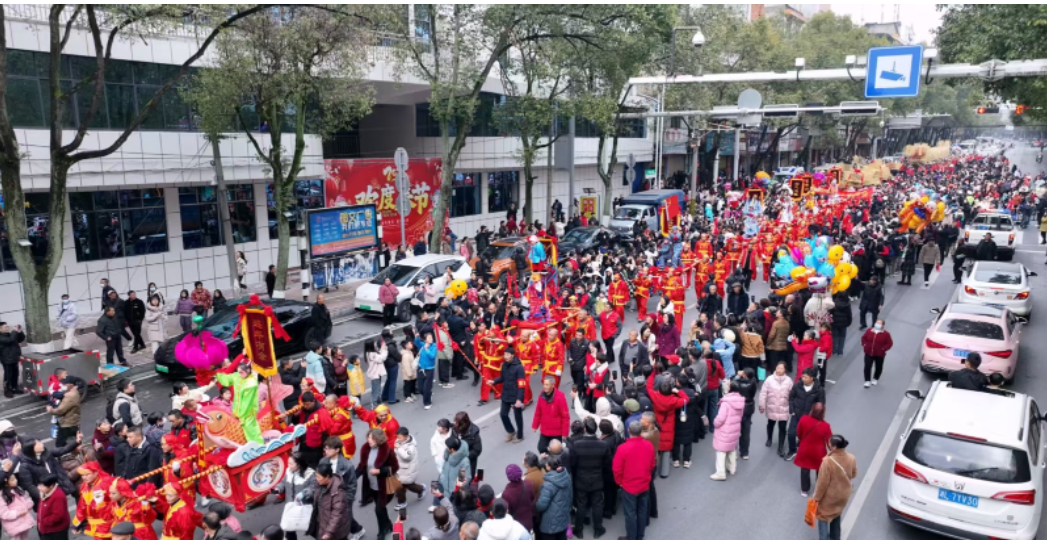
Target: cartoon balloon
{"x": 835, "y": 254}
{"x": 843, "y": 285}
{"x": 809, "y": 261}
{"x": 798, "y": 272}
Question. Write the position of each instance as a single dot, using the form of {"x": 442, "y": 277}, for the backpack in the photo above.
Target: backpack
{"x": 879, "y": 263}
{"x": 110, "y": 406}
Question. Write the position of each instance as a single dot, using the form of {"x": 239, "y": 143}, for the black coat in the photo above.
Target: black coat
{"x": 685, "y": 431}
{"x": 134, "y": 311}
{"x": 590, "y": 460}
{"x": 108, "y": 327}
{"x": 10, "y": 350}
{"x": 711, "y": 305}
{"x": 872, "y": 297}
{"x": 293, "y": 378}
{"x": 472, "y": 438}
{"x": 141, "y": 460}
{"x": 737, "y": 303}
{"x": 985, "y": 251}
{"x": 512, "y": 372}
{"x": 801, "y": 401}
{"x": 392, "y": 359}
{"x": 968, "y": 379}
{"x": 321, "y": 321}
{"x": 577, "y": 352}
{"x": 841, "y": 312}
{"x": 31, "y": 470}
{"x": 797, "y": 324}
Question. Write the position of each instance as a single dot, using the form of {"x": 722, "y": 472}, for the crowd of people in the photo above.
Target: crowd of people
{"x": 635, "y": 408}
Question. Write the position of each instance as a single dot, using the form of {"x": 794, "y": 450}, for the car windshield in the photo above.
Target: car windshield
{"x": 975, "y": 329}
{"x": 578, "y": 235}
{"x": 992, "y": 222}
{"x": 999, "y": 276}
{"x": 967, "y": 458}
{"x": 222, "y": 323}
{"x": 399, "y": 274}
{"x": 627, "y": 213}
{"x": 497, "y": 252}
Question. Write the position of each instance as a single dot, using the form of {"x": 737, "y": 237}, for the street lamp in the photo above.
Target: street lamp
{"x": 697, "y": 41}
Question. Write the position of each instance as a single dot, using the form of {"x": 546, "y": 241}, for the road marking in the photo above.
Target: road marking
{"x": 854, "y": 509}
{"x": 1028, "y": 251}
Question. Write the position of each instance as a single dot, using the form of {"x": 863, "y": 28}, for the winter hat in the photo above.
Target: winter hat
{"x": 513, "y": 472}
{"x": 631, "y": 405}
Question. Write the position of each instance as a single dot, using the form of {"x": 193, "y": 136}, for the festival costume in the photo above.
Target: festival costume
{"x": 139, "y": 513}
{"x": 491, "y": 355}
{"x": 687, "y": 261}
{"x": 530, "y": 354}
{"x": 643, "y": 293}
{"x": 181, "y": 522}
{"x": 619, "y": 295}
{"x": 245, "y": 404}
{"x": 676, "y": 294}
{"x": 94, "y": 505}
{"x": 342, "y": 427}
{"x": 390, "y": 426}
{"x": 553, "y": 361}
{"x": 720, "y": 271}
{"x": 701, "y": 277}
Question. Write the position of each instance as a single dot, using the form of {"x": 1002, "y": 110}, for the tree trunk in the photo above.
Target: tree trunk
{"x": 443, "y": 203}
{"x": 528, "y": 192}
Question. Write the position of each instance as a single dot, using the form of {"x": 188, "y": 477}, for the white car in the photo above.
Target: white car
{"x": 970, "y": 465}
{"x": 405, "y": 274}
{"x": 1000, "y": 227}
{"x": 997, "y": 284}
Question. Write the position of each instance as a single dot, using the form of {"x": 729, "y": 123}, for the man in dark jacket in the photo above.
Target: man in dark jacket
{"x": 513, "y": 381}
{"x": 969, "y": 378}
{"x": 291, "y": 374}
{"x": 578, "y": 349}
{"x": 270, "y": 280}
{"x": 456, "y": 327}
{"x": 745, "y": 382}
{"x": 842, "y": 318}
{"x": 10, "y": 355}
{"x": 392, "y": 367}
{"x": 590, "y": 463}
{"x": 959, "y": 257}
{"x": 142, "y": 458}
{"x": 802, "y": 398}
{"x": 633, "y": 355}
{"x": 320, "y": 321}
{"x": 120, "y": 310}
{"x": 737, "y": 301}
{"x": 134, "y": 314}
{"x": 483, "y": 239}
{"x": 108, "y": 328}
{"x": 872, "y": 301}
{"x": 986, "y": 249}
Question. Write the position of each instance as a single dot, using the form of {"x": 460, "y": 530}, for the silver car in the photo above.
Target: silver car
{"x": 997, "y": 284}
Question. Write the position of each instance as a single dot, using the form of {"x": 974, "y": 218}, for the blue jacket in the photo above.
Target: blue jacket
{"x": 726, "y": 350}
{"x": 426, "y": 354}
{"x": 554, "y": 502}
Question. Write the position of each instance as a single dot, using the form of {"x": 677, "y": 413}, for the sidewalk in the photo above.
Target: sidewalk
{"x": 339, "y": 302}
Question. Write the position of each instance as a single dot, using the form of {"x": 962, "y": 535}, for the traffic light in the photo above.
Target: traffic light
{"x": 1020, "y": 109}
{"x": 988, "y": 110}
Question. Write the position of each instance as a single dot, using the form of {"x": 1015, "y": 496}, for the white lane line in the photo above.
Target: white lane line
{"x": 1028, "y": 251}
{"x": 854, "y": 509}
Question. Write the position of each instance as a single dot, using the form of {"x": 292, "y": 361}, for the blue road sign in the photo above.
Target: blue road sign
{"x": 894, "y": 72}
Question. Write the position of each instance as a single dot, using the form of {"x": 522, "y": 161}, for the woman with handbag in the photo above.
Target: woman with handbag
{"x": 298, "y": 487}
{"x": 835, "y": 478}
{"x": 378, "y": 467}
{"x": 814, "y": 434}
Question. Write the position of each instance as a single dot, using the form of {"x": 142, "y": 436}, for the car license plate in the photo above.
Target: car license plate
{"x": 957, "y": 498}
{"x": 1010, "y": 297}
{"x": 1000, "y": 306}
{"x": 960, "y": 354}
{"x": 362, "y": 306}
{"x": 162, "y": 369}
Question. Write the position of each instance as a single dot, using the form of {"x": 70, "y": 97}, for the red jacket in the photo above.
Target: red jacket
{"x": 552, "y": 417}
{"x": 716, "y": 373}
{"x": 665, "y": 413}
{"x": 53, "y": 514}
{"x": 633, "y": 465}
{"x": 608, "y": 324}
{"x": 814, "y": 439}
{"x": 876, "y": 344}
{"x": 825, "y": 343}
{"x": 804, "y": 355}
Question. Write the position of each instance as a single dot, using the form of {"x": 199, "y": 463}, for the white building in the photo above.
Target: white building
{"x": 148, "y": 213}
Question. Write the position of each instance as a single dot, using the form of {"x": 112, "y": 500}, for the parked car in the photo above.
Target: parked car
{"x": 405, "y": 274}
{"x": 584, "y": 238}
{"x": 1000, "y": 226}
{"x": 970, "y": 465}
{"x": 501, "y": 254}
{"x": 998, "y": 284}
{"x": 294, "y": 316}
{"x": 961, "y": 329}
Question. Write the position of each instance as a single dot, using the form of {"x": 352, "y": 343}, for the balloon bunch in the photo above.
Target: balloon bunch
{"x": 918, "y": 212}
{"x": 762, "y": 179}
{"x": 456, "y": 289}
{"x": 814, "y": 258}
{"x": 819, "y": 179}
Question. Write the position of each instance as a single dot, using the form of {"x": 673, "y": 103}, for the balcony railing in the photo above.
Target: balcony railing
{"x": 41, "y": 13}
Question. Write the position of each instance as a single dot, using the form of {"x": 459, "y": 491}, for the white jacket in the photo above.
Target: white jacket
{"x": 407, "y": 456}
{"x": 506, "y": 528}
{"x": 437, "y": 445}
{"x": 376, "y": 364}
{"x": 67, "y": 315}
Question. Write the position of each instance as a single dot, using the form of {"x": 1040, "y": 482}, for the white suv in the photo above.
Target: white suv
{"x": 970, "y": 465}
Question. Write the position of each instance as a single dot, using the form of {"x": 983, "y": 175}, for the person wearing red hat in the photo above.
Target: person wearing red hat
{"x": 619, "y": 295}
{"x": 126, "y": 507}
{"x": 94, "y": 508}
{"x": 553, "y": 357}
{"x": 642, "y": 285}
{"x": 341, "y": 423}
{"x": 489, "y": 346}
{"x": 380, "y": 418}
{"x": 181, "y": 519}
{"x": 176, "y": 468}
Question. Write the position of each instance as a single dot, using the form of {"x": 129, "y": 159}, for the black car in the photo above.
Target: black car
{"x": 293, "y": 315}
{"x": 584, "y": 238}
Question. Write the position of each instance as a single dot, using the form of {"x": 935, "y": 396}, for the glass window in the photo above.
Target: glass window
{"x": 465, "y": 199}
{"x": 975, "y": 329}
{"x": 999, "y": 276}
{"x": 307, "y": 195}
{"x": 23, "y": 63}
{"x": 121, "y": 100}
{"x": 970, "y": 459}
{"x": 24, "y": 103}
{"x": 155, "y": 120}
{"x": 503, "y": 188}
{"x": 201, "y": 222}
{"x": 111, "y": 224}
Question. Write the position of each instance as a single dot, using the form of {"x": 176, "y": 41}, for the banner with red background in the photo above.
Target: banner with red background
{"x": 373, "y": 181}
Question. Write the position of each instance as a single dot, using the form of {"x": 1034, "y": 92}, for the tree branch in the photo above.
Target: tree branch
{"x": 69, "y": 25}
{"x": 99, "y": 78}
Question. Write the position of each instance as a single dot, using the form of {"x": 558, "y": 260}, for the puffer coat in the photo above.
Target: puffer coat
{"x": 665, "y": 413}
{"x": 774, "y": 397}
{"x": 728, "y": 422}
{"x": 407, "y": 456}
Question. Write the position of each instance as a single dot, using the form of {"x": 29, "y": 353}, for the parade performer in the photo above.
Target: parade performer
{"x": 94, "y": 508}
{"x": 720, "y": 271}
{"x": 701, "y": 276}
{"x": 677, "y": 294}
{"x": 733, "y": 248}
{"x": 765, "y": 252}
{"x": 688, "y": 259}
{"x": 341, "y": 423}
{"x": 536, "y": 256}
{"x": 529, "y": 351}
{"x": 181, "y": 520}
{"x": 753, "y": 211}
{"x": 490, "y": 346}
{"x": 642, "y": 284}
{"x": 553, "y": 360}
{"x": 619, "y": 295}
{"x": 536, "y": 299}
{"x": 380, "y": 418}
{"x": 127, "y": 507}
{"x": 176, "y": 467}
{"x": 704, "y": 247}
{"x": 245, "y": 404}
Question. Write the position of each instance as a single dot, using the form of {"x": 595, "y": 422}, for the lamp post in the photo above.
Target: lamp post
{"x": 697, "y": 40}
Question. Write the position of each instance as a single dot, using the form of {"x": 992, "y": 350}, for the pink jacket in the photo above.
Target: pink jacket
{"x": 387, "y": 294}
{"x": 11, "y": 518}
{"x": 728, "y": 422}
{"x": 774, "y": 397}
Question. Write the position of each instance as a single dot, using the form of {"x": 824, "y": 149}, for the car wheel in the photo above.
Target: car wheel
{"x": 403, "y": 311}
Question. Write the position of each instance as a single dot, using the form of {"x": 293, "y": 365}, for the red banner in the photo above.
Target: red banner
{"x": 373, "y": 181}
{"x": 258, "y": 341}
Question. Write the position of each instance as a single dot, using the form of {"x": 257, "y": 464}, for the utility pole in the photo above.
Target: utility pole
{"x": 223, "y": 214}
{"x": 737, "y": 151}
{"x": 550, "y": 216}
{"x": 570, "y": 168}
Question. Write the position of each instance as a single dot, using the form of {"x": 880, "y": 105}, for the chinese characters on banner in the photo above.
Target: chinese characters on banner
{"x": 587, "y": 205}
{"x": 258, "y": 341}
{"x": 373, "y": 181}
